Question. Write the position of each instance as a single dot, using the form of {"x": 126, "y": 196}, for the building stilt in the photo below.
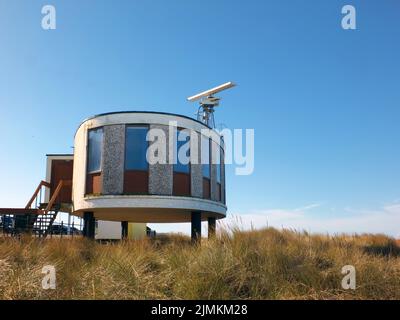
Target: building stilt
{"x": 196, "y": 226}
{"x": 89, "y": 225}
{"x": 211, "y": 227}
{"x": 124, "y": 226}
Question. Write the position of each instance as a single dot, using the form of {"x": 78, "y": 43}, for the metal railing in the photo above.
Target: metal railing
{"x": 15, "y": 225}
{"x": 38, "y": 217}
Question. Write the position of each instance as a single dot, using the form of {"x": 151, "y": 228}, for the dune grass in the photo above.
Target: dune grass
{"x": 265, "y": 264}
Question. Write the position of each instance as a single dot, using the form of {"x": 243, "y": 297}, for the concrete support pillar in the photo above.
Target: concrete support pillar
{"x": 89, "y": 225}
{"x": 124, "y": 226}
{"x": 211, "y": 227}
{"x": 196, "y": 226}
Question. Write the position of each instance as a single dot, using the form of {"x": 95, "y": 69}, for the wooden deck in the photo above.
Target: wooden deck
{"x": 19, "y": 211}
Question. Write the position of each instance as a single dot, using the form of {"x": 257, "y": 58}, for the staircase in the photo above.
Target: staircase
{"x": 36, "y": 218}
{"x": 43, "y": 223}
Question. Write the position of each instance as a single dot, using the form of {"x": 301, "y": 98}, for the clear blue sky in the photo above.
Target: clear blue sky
{"x": 324, "y": 102}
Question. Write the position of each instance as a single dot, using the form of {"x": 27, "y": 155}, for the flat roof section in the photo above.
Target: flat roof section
{"x": 148, "y": 112}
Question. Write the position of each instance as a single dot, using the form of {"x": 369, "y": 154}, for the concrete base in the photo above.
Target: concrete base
{"x": 149, "y": 208}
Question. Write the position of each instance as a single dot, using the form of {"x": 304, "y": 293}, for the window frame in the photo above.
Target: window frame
{"x": 219, "y": 163}
{"x": 209, "y": 157}
{"x": 127, "y": 126}
{"x": 140, "y": 172}
{"x": 101, "y": 150}
{"x": 189, "y": 165}
{"x": 179, "y": 175}
{"x": 223, "y": 173}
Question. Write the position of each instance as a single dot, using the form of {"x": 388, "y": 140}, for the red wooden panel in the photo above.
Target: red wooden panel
{"x": 181, "y": 184}
{"x": 206, "y": 188}
{"x": 94, "y": 183}
{"x": 61, "y": 170}
{"x": 136, "y": 182}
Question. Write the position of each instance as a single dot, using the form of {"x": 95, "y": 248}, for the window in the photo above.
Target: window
{"x": 94, "y": 161}
{"x": 206, "y": 166}
{"x": 222, "y": 197}
{"x": 181, "y": 184}
{"x": 182, "y": 162}
{"x": 218, "y": 164}
{"x": 136, "y": 148}
{"x": 95, "y": 146}
{"x": 205, "y": 157}
{"x": 136, "y": 176}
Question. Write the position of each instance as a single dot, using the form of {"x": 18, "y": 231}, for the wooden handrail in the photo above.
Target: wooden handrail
{"x": 60, "y": 185}
{"x": 41, "y": 184}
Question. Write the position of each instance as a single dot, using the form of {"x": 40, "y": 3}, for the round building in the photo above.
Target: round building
{"x": 148, "y": 167}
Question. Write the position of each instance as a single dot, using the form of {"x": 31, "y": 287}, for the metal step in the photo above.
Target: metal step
{"x": 56, "y": 206}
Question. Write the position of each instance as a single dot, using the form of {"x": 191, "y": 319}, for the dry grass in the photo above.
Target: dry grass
{"x": 266, "y": 264}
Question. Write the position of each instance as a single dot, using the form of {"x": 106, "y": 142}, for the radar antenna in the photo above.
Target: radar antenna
{"x": 208, "y": 102}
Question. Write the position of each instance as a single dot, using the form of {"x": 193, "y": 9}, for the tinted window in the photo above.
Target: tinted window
{"x": 205, "y": 156}
{"x": 136, "y": 148}
{"x": 218, "y": 164}
{"x": 95, "y": 149}
{"x": 182, "y": 155}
